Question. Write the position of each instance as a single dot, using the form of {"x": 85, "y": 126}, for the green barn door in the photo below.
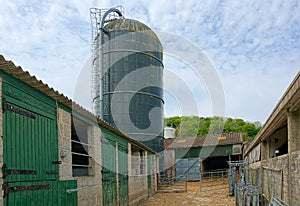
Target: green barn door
{"x": 109, "y": 182}
{"x": 30, "y": 150}
{"x": 123, "y": 174}
{"x": 149, "y": 172}
{"x": 42, "y": 193}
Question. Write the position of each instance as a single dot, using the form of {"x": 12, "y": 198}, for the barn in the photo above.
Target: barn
{"x": 187, "y": 157}
{"x": 54, "y": 152}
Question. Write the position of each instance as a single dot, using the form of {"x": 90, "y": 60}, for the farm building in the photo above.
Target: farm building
{"x": 54, "y": 152}
{"x": 274, "y": 155}
{"x": 195, "y": 155}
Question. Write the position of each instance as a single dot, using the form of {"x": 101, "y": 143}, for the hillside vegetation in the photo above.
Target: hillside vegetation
{"x": 199, "y": 126}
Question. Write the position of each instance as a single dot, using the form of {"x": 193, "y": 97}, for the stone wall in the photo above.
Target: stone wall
{"x": 275, "y": 177}
{"x": 138, "y": 189}
{"x": 64, "y": 145}
{"x": 154, "y": 175}
{"x": 254, "y": 173}
{"x": 295, "y": 178}
{"x": 137, "y": 184}
{"x": 89, "y": 187}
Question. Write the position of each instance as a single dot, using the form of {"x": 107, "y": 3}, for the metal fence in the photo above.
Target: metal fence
{"x": 172, "y": 184}
{"x": 213, "y": 180}
{"x": 246, "y": 195}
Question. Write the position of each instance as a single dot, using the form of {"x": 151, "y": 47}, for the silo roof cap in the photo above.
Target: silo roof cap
{"x": 130, "y": 25}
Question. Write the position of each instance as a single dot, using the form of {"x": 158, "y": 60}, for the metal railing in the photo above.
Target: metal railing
{"x": 172, "y": 184}
{"x": 276, "y": 201}
{"x": 246, "y": 194}
{"x": 213, "y": 180}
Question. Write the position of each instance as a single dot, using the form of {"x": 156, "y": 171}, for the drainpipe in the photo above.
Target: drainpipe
{"x": 101, "y": 41}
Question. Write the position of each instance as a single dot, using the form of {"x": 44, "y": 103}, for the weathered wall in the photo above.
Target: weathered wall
{"x": 137, "y": 184}
{"x": 275, "y": 177}
{"x": 254, "y": 173}
{"x": 169, "y": 158}
{"x": 89, "y": 187}
{"x": 138, "y": 189}
{"x": 64, "y": 144}
{"x": 154, "y": 175}
{"x": 295, "y": 177}
{"x": 293, "y": 121}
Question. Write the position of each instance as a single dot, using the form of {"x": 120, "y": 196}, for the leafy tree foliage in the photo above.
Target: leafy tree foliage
{"x": 200, "y": 126}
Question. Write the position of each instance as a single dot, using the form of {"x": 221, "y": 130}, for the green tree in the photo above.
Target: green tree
{"x": 200, "y": 126}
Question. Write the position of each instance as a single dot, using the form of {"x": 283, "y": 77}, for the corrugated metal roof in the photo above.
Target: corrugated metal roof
{"x": 203, "y": 141}
{"x": 24, "y": 76}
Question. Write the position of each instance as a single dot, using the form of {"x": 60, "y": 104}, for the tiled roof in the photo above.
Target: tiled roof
{"x": 25, "y": 77}
{"x": 202, "y": 141}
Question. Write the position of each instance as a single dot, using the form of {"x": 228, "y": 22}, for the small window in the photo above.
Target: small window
{"x": 142, "y": 163}
{"x": 278, "y": 143}
{"x": 80, "y": 155}
{"x": 138, "y": 162}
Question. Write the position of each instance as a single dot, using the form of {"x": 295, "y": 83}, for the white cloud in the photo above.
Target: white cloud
{"x": 255, "y": 45}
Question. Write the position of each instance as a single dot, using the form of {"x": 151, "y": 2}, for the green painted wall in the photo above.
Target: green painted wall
{"x": 223, "y": 150}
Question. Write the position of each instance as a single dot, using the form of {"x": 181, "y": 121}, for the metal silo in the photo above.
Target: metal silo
{"x": 133, "y": 81}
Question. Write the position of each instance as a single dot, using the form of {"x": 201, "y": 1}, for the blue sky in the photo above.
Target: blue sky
{"x": 254, "y": 45}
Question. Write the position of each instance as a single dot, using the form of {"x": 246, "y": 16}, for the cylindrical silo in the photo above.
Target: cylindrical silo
{"x": 133, "y": 81}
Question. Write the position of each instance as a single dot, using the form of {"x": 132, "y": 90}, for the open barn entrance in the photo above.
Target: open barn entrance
{"x": 215, "y": 163}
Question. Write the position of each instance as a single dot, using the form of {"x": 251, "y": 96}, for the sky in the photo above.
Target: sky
{"x": 253, "y": 48}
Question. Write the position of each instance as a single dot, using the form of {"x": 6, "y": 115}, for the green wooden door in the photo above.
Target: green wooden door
{"x": 30, "y": 145}
{"x": 42, "y": 193}
{"x": 30, "y": 150}
{"x": 109, "y": 182}
{"x": 123, "y": 174}
{"x": 149, "y": 172}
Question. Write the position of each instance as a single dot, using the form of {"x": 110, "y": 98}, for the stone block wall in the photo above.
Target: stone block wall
{"x": 138, "y": 189}
{"x": 295, "y": 178}
{"x": 64, "y": 145}
{"x": 89, "y": 187}
{"x": 254, "y": 173}
{"x": 275, "y": 177}
{"x": 154, "y": 175}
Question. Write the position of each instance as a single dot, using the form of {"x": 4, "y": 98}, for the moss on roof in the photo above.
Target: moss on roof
{"x": 130, "y": 25}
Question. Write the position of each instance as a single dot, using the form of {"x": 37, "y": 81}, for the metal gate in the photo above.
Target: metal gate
{"x": 123, "y": 174}
{"x": 238, "y": 172}
{"x": 109, "y": 182}
{"x": 213, "y": 180}
{"x": 30, "y": 152}
{"x": 188, "y": 169}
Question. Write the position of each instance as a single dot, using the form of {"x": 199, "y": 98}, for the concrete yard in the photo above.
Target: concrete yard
{"x": 218, "y": 195}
